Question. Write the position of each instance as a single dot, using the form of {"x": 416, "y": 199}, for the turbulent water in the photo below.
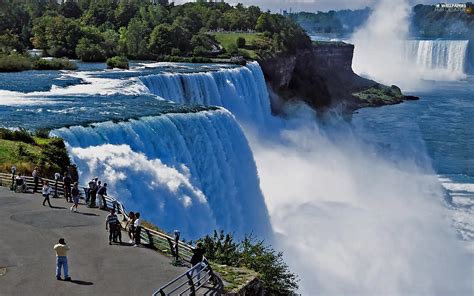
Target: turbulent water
{"x": 354, "y": 211}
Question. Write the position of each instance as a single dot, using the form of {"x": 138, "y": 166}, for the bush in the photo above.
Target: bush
{"x": 253, "y": 254}
{"x": 21, "y": 135}
{"x": 117, "y": 62}
{"x": 240, "y": 42}
{"x": 14, "y": 62}
{"x": 54, "y": 64}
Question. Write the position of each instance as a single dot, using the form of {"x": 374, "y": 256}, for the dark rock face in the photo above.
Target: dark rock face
{"x": 322, "y": 77}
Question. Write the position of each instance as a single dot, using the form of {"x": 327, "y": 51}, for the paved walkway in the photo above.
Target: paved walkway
{"x": 28, "y": 232}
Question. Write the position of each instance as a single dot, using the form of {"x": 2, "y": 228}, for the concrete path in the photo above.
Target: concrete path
{"x": 28, "y": 232}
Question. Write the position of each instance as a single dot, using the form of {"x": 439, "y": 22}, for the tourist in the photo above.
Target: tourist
{"x": 46, "y": 191}
{"x": 111, "y": 224}
{"x": 35, "y": 175}
{"x": 13, "y": 170}
{"x": 93, "y": 191}
{"x": 196, "y": 259}
{"x": 67, "y": 181}
{"x": 102, "y": 193}
{"x": 138, "y": 229}
{"x": 75, "y": 197}
{"x": 61, "y": 259}
{"x": 57, "y": 177}
{"x": 20, "y": 184}
{"x": 130, "y": 227}
{"x": 176, "y": 244}
{"x": 118, "y": 232}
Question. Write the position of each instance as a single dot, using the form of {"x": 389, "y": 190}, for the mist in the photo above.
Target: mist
{"x": 383, "y": 53}
{"x": 352, "y": 219}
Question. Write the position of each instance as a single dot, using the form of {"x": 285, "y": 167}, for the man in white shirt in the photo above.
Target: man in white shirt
{"x": 61, "y": 250}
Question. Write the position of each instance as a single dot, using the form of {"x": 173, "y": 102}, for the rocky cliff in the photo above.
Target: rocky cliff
{"x": 322, "y": 76}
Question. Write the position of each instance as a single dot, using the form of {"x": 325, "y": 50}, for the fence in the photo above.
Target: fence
{"x": 189, "y": 282}
{"x": 154, "y": 239}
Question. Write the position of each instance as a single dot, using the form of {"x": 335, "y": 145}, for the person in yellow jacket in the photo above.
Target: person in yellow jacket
{"x": 61, "y": 250}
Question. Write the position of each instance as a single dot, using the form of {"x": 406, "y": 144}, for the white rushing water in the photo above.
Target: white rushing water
{"x": 241, "y": 90}
{"x": 447, "y": 56}
{"x": 192, "y": 171}
{"x": 350, "y": 219}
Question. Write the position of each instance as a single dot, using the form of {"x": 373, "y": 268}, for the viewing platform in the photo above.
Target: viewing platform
{"x": 28, "y": 261}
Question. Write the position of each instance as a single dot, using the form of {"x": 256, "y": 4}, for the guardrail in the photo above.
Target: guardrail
{"x": 195, "y": 278}
{"x": 57, "y": 186}
{"x": 189, "y": 282}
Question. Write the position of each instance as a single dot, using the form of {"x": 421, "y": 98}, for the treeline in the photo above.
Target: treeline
{"x": 428, "y": 22}
{"x": 138, "y": 29}
{"x": 341, "y": 22}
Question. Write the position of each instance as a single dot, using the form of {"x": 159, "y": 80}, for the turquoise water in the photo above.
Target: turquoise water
{"x": 440, "y": 125}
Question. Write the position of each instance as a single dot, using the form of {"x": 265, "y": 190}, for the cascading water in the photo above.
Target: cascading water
{"x": 191, "y": 171}
{"x": 449, "y": 56}
{"x": 242, "y": 90}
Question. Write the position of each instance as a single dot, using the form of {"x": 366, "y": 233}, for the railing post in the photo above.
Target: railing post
{"x": 191, "y": 284}
{"x": 162, "y": 293}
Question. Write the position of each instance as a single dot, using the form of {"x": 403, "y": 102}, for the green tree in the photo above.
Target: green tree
{"x": 136, "y": 39}
{"x": 240, "y": 42}
{"x": 160, "y": 40}
{"x": 57, "y": 35}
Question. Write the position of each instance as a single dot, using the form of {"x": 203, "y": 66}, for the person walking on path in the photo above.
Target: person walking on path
{"x": 75, "y": 197}
{"x": 110, "y": 225}
{"x": 67, "y": 180}
{"x": 138, "y": 229}
{"x": 102, "y": 193}
{"x": 130, "y": 226}
{"x": 46, "y": 191}
{"x": 35, "y": 175}
{"x": 196, "y": 259}
{"x": 61, "y": 250}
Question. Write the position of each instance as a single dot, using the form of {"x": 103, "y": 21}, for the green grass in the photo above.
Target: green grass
{"x": 235, "y": 278}
{"x": 229, "y": 40}
{"x": 380, "y": 92}
{"x": 19, "y": 154}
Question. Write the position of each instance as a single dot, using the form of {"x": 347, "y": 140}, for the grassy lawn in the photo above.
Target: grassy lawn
{"x": 229, "y": 39}
{"x": 18, "y": 154}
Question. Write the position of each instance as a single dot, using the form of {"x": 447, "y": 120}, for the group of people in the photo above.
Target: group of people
{"x": 96, "y": 193}
{"x": 133, "y": 227}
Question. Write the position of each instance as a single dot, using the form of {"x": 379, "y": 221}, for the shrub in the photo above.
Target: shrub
{"x": 240, "y": 42}
{"x": 21, "y": 135}
{"x": 253, "y": 254}
{"x": 14, "y": 62}
{"x": 117, "y": 62}
{"x": 54, "y": 64}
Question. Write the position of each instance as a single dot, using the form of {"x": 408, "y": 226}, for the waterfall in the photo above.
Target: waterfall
{"x": 190, "y": 171}
{"x": 449, "y": 56}
{"x": 242, "y": 90}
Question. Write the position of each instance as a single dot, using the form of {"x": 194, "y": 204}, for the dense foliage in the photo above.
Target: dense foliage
{"x": 254, "y": 254}
{"x": 117, "y": 62}
{"x": 25, "y": 150}
{"x": 340, "y": 22}
{"x": 431, "y": 23}
{"x": 138, "y": 29}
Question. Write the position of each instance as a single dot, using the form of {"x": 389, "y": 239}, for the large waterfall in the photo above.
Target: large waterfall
{"x": 242, "y": 90}
{"x": 449, "y": 56}
{"x": 191, "y": 171}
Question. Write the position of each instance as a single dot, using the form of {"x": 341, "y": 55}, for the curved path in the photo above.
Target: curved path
{"x": 28, "y": 232}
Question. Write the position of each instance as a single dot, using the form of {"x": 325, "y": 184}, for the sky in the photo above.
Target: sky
{"x": 319, "y": 5}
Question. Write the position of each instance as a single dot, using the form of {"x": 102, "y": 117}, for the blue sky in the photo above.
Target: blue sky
{"x": 323, "y": 5}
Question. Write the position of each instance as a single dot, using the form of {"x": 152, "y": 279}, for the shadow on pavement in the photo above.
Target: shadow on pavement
{"x": 82, "y": 283}
{"x": 87, "y": 214}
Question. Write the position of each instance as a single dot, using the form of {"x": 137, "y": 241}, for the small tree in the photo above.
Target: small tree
{"x": 240, "y": 42}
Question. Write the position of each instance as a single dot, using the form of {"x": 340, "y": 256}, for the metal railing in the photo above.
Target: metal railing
{"x": 190, "y": 281}
{"x": 7, "y": 181}
{"x": 186, "y": 284}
